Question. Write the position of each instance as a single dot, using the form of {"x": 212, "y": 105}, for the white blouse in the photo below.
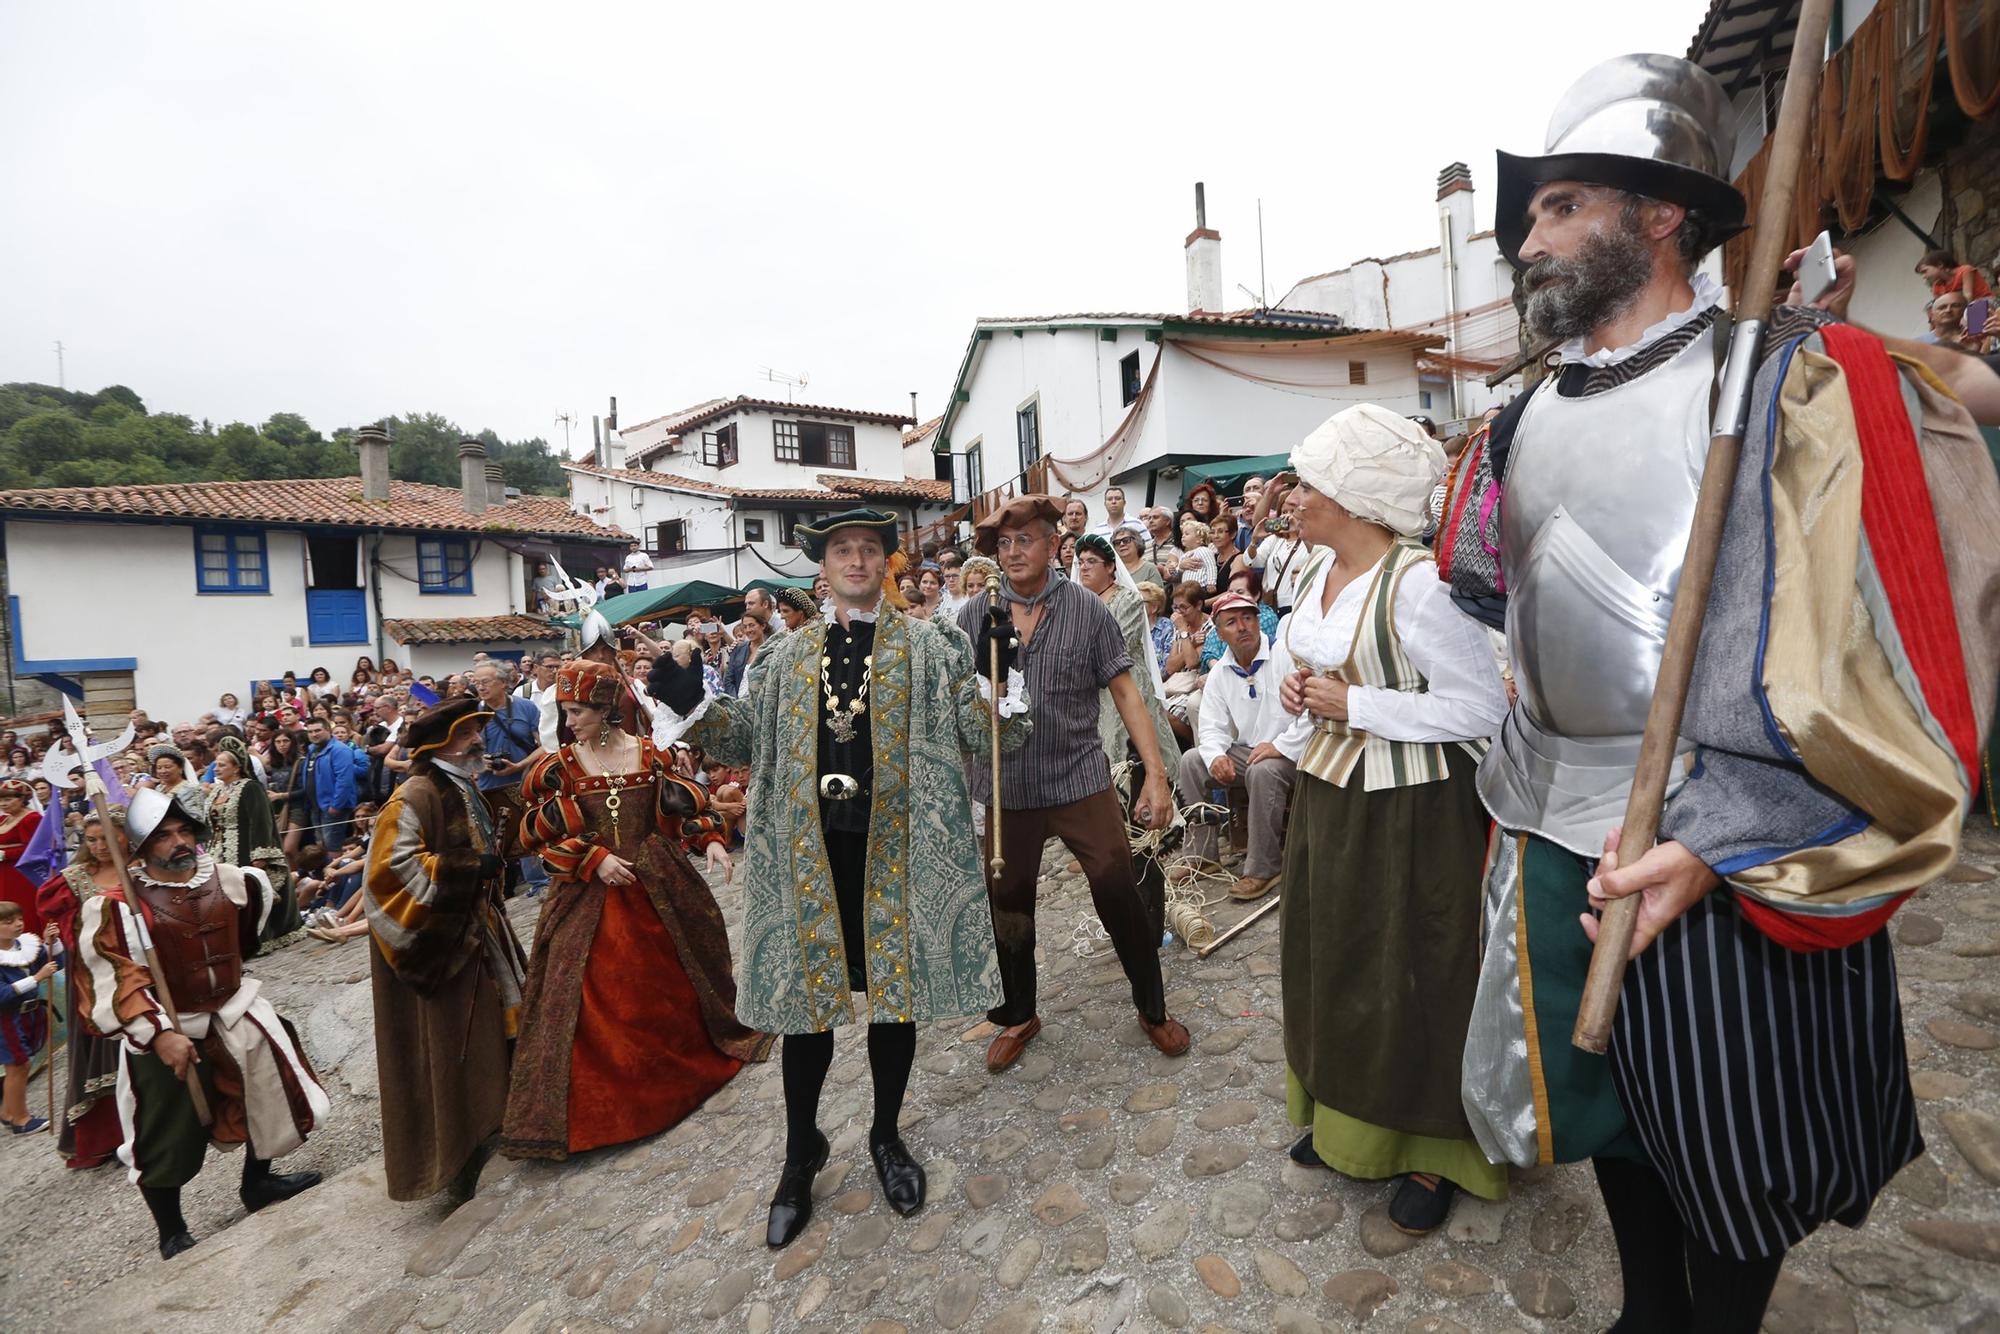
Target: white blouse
{"x": 1465, "y": 699}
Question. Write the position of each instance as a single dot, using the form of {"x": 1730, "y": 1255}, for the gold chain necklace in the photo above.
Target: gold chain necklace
{"x": 840, "y": 718}
{"x": 615, "y": 783}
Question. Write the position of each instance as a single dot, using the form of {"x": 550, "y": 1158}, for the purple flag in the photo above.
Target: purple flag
{"x": 114, "y": 791}
{"x": 45, "y": 854}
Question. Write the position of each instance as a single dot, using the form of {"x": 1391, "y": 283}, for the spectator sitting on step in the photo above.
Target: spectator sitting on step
{"x": 1240, "y": 722}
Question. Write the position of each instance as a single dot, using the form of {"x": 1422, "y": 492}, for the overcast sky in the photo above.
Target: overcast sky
{"x": 504, "y": 213}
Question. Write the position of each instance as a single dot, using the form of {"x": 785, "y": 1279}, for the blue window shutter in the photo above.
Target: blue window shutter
{"x": 336, "y": 616}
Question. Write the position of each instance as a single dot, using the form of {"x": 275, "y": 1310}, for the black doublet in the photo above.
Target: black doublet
{"x": 845, "y": 823}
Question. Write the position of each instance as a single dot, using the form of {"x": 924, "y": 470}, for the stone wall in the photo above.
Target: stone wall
{"x": 1972, "y": 181}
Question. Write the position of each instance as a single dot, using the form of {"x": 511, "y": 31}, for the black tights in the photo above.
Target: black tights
{"x": 164, "y": 1202}
{"x": 1673, "y": 1282}
{"x": 892, "y": 1048}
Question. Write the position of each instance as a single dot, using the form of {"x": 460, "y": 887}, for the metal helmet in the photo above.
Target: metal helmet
{"x": 148, "y": 808}
{"x": 1655, "y": 125}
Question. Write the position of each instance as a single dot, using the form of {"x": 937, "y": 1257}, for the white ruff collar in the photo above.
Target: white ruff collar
{"x": 204, "y": 868}
{"x": 23, "y": 951}
{"x": 1706, "y": 294}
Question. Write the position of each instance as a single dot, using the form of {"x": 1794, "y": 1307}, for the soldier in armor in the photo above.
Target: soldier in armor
{"x": 1756, "y": 1083}
{"x": 194, "y": 921}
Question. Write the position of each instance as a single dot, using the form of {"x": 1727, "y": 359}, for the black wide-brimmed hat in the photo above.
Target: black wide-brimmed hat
{"x": 813, "y": 537}
{"x": 437, "y": 726}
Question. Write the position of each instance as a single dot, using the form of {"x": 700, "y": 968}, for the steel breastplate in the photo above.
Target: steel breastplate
{"x": 1599, "y": 497}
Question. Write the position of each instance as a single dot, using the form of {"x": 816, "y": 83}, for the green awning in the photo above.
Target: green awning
{"x": 671, "y": 603}
{"x": 773, "y": 585}
{"x": 1226, "y": 475}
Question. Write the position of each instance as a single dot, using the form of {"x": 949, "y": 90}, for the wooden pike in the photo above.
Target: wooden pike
{"x": 1770, "y": 243}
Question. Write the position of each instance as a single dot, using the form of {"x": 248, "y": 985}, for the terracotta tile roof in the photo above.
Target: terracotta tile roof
{"x": 470, "y": 629}
{"x": 924, "y": 432}
{"x": 1239, "y": 319}
{"x": 684, "y": 422}
{"x": 674, "y": 418}
{"x": 837, "y": 487}
{"x": 312, "y": 502}
{"x": 871, "y": 488}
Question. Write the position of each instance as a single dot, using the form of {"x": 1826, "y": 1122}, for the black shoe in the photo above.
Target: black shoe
{"x": 792, "y": 1202}
{"x": 902, "y": 1179}
{"x": 1304, "y": 1154}
{"x": 274, "y": 1187}
{"x": 174, "y": 1245}
{"x": 1418, "y": 1207}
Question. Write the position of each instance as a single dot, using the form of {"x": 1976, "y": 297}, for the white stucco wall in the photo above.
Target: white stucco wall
{"x": 191, "y": 646}
{"x": 878, "y": 452}
{"x": 1073, "y": 373}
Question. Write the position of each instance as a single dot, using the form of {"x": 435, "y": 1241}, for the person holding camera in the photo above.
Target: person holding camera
{"x": 1281, "y": 553}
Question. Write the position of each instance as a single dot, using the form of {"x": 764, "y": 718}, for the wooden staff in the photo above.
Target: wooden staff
{"x": 121, "y": 857}
{"x": 997, "y": 863}
{"x": 1769, "y": 245}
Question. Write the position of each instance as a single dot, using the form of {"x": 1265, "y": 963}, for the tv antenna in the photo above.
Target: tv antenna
{"x": 563, "y": 419}
{"x": 791, "y": 382}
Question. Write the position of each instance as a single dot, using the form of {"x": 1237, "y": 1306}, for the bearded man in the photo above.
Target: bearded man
{"x": 1756, "y": 1084}
{"x": 447, "y": 968}
{"x": 196, "y": 921}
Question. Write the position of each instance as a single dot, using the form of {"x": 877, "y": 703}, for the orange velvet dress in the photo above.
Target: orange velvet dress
{"x": 629, "y": 1013}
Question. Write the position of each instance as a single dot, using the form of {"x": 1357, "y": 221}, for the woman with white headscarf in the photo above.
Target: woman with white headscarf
{"x": 1098, "y": 569}
{"x": 1394, "y": 692}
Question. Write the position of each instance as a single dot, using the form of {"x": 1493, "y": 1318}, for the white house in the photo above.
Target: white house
{"x": 1073, "y": 404}
{"x": 1461, "y": 289}
{"x": 166, "y": 596}
{"x": 715, "y": 491}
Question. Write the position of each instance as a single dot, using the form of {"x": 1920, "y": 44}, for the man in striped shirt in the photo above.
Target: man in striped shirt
{"x": 1058, "y": 785}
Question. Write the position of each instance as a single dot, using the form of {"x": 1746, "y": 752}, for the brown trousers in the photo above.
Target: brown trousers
{"x": 1093, "y": 829}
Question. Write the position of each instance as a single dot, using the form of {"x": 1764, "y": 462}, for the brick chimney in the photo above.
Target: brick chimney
{"x": 372, "y": 443}
{"x": 496, "y": 483}
{"x": 1204, "y": 260}
{"x": 472, "y": 475}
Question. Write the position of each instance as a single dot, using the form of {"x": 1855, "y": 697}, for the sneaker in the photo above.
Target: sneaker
{"x": 29, "y": 1126}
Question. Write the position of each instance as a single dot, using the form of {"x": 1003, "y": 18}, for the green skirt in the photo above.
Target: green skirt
{"x": 1379, "y": 940}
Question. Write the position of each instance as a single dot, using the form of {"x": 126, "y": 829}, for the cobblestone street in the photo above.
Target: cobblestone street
{"x": 1096, "y": 1186}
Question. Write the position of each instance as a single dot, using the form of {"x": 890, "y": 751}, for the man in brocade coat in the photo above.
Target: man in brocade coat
{"x": 864, "y": 872}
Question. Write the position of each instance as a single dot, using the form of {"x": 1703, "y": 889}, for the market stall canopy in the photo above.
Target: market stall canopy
{"x": 671, "y": 603}
{"x": 771, "y": 585}
{"x": 1227, "y": 475}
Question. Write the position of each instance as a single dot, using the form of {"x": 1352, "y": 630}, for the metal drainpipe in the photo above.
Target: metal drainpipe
{"x": 375, "y": 594}
{"x": 1450, "y": 253}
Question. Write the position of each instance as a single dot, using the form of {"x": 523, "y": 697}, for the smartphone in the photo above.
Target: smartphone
{"x": 1817, "y": 275}
{"x": 1977, "y": 314}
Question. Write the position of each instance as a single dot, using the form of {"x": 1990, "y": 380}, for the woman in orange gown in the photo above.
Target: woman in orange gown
{"x": 629, "y": 1015}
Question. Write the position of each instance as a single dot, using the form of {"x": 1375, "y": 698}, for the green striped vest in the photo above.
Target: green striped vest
{"x": 1375, "y": 658}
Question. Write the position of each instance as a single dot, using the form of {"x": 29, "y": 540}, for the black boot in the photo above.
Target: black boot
{"x": 465, "y": 1183}
{"x": 263, "y": 1187}
{"x": 164, "y": 1202}
{"x": 1304, "y": 1154}
{"x": 792, "y": 1203}
{"x": 901, "y": 1177}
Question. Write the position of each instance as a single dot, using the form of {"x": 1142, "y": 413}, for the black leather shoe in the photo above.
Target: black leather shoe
{"x": 174, "y": 1245}
{"x": 274, "y": 1187}
{"x": 902, "y": 1179}
{"x": 1304, "y": 1154}
{"x": 792, "y": 1203}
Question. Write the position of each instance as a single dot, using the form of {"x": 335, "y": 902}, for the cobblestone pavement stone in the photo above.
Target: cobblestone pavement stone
{"x": 1096, "y": 1186}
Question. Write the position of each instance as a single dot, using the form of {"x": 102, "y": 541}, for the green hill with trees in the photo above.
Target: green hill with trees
{"x": 62, "y": 437}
